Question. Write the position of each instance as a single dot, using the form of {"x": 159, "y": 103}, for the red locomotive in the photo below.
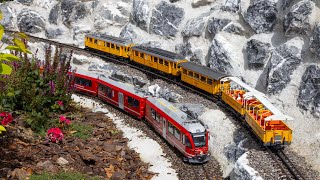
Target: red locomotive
{"x": 189, "y": 135}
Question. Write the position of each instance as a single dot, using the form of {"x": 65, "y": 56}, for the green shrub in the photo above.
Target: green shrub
{"x": 63, "y": 175}
{"x": 82, "y": 131}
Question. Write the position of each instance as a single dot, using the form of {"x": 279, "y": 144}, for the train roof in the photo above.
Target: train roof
{"x": 167, "y": 55}
{"x": 87, "y": 73}
{"x": 112, "y": 39}
{"x": 192, "y": 125}
{"x": 203, "y": 70}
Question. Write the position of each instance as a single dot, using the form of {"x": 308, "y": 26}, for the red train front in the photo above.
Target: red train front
{"x": 187, "y": 134}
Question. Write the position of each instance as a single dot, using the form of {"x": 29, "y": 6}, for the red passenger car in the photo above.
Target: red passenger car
{"x": 86, "y": 82}
{"x": 122, "y": 95}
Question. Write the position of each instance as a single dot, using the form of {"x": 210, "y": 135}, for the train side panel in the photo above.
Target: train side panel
{"x": 234, "y": 100}
{"x": 85, "y": 84}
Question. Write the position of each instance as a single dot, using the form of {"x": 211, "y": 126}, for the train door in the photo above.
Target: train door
{"x": 120, "y": 99}
{"x": 164, "y": 129}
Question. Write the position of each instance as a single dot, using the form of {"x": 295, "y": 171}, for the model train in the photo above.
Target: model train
{"x": 189, "y": 135}
{"x": 264, "y": 119}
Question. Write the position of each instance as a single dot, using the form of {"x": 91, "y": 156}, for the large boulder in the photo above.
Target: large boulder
{"x": 140, "y": 13}
{"x": 309, "y": 90}
{"x": 219, "y": 58}
{"x": 315, "y": 41}
{"x": 262, "y": 15}
{"x": 234, "y": 28}
{"x": 197, "y": 56}
{"x": 257, "y": 53}
{"x": 128, "y": 32}
{"x": 194, "y": 27}
{"x": 30, "y": 21}
{"x": 216, "y": 24}
{"x": 284, "y": 60}
{"x": 231, "y": 6}
{"x": 242, "y": 170}
{"x": 297, "y": 21}
{"x": 183, "y": 49}
{"x": 8, "y": 15}
{"x": 72, "y": 11}
{"x": 54, "y": 14}
{"x": 166, "y": 19}
{"x": 198, "y": 3}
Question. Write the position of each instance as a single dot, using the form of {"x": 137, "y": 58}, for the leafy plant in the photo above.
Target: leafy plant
{"x": 63, "y": 175}
{"x": 81, "y": 131}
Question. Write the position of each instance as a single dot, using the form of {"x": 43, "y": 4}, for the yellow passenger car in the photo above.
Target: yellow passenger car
{"x": 201, "y": 77}
{"x": 108, "y": 44}
{"x": 162, "y": 60}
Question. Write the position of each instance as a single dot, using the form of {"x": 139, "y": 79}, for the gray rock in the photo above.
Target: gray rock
{"x": 165, "y": 19}
{"x": 183, "y": 49}
{"x": 234, "y": 28}
{"x": 315, "y": 41}
{"x": 231, "y": 6}
{"x": 67, "y": 9}
{"x": 109, "y": 69}
{"x": 54, "y": 14}
{"x": 193, "y": 110}
{"x": 170, "y": 96}
{"x": 138, "y": 81}
{"x": 262, "y": 16}
{"x": 297, "y": 20}
{"x": 107, "y": 14}
{"x": 234, "y": 150}
{"x": 257, "y": 53}
{"x": 219, "y": 59}
{"x": 286, "y": 4}
{"x": 25, "y": 2}
{"x": 95, "y": 4}
{"x": 198, "y": 3}
{"x": 309, "y": 90}
{"x": 80, "y": 12}
{"x": 123, "y": 11}
{"x": 140, "y": 13}
{"x": 8, "y": 15}
{"x": 128, "y": 33}
{"x": 197, "y": 56}
{"x": 283, "y": 62}
{"x": 30, "y": 21}
{"x": 194, "y": 27}
{"x": 52, "y": 33}
{"x": 215, "y": 25}
{"x": 79, "y": 61}
{"x": 173, "y": 1}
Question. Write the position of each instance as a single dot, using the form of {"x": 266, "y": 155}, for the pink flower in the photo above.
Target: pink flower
{"x": 63, "y": 119}
{"x": 55, "y": 135}
{"x": 60, "y": 103}
{"x": 7, "y": 118}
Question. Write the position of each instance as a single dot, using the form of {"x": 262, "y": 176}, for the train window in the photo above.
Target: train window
{"x": 112, "y": 46}
{"x": 188, "y": 144}
{"x": 203, "y": 79}
{"x": 109, "y": 92}
{"x": 158, "y": 117}
{"x": 117, "y": 47}
{"x": 155, "y": 59}
{"x": 209, "y": 81}
{"x": 166, "y": 63}
{"x": 160, "y": 61}
{"x": 177, "y": 133}
{"x": 133, "y": 102}
{"x": 95, "y": 41}
{"x": 154, "y": 115}
{"x": 174, "y": 65}
{"x": 136, "y": 53}
{"x": 101, "y": 87}
{"x": 142, "y": 55}
{"x": 83, "y": 82}
{"x": 184, "y": 71}
{"x": 108, "y": 45}
{"x": 196, "y": 75}
{"x": 170, "y": 128}
{"x": 190, "y": 73}
{"x": 90, "y": 39}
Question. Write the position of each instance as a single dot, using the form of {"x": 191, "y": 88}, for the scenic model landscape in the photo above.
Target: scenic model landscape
{"x": 164, "y": 89}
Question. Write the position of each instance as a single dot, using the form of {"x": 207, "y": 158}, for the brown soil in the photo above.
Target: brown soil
{"x": 104, "y": 154}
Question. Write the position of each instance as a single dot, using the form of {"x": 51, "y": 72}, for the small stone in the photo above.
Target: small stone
{"x": 61, "y": 161}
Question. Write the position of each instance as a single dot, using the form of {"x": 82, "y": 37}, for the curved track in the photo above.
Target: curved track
{"x": 288, "y": 168}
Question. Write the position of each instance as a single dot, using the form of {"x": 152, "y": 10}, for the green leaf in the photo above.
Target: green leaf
{"x": 22, "y": 35}
{"x": 1, "y": 31}
{"x": 20, "y": 44}
{"x": 9, "y": 57}
{"x": 2, "y": 128}
{"x": 16, "y": 48}
{"x": 1, "y": 15}
{"x": 5, "y": 69}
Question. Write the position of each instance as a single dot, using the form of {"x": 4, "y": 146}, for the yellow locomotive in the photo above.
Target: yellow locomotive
{"x": 265, "y": 120}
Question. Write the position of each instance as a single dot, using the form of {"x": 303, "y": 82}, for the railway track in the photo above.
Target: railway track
{"x": 287, "y": 167}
